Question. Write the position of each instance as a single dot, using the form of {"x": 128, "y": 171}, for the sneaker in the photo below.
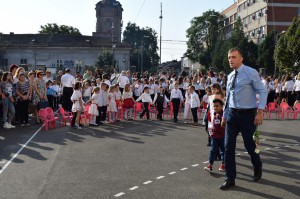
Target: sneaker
{"x": 27, "y": 125}
{"x": 222, "y": 167}
{"x": 77, "y": 127}
{"x": 6, "y": 125}
{"x": 22, "y": 125}
{"x": 11, "y": 126}
{"x": 208, "y": 168}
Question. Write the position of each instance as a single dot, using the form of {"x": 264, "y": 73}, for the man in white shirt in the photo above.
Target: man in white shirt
{"x": 146, "y": 99}
{"x": 195, "y": 104}
{"x": 114, "y": 77}
{"x": 123, "y": 80}
{"x": 67, "y": 82}
{"x": 176, "y": 98}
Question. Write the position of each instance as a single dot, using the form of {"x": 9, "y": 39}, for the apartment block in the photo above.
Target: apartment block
{"x": 260, "y": 17}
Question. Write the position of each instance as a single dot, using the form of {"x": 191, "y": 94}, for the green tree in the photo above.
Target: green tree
{"x": 237, "y": 34}
{"x": 134, "y": 36}
{"x": 266, "y": 53}
{"x": 105, "y": 60}
{"x": 53, "y": 28}
{"x": 286, "y": 55}
{"x": 202, "y": 37}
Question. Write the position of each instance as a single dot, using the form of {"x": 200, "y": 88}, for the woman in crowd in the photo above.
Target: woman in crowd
{"x": 8, "y": 99}
{"x": 297, "y": 89}
{"x": 40, "y": 92}
{"x": 24, "y": 95}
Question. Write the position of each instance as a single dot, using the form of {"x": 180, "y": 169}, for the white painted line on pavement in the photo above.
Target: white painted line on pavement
{"x": 172, "y": 173}
{"x": 183, "y": 169}
{"x": 278, "y": 147}
{"x": 160, "y": 177}
{"x": 287, "y": 146}
{"x": 245, "y": 152}
{"x": 119, "y": 194}
{"x": 237, "y": 154}
{"x": 206, "y": 162}
{"x": 133, "y": 188}
{"x": 296, "y": 144}
{"x": 195, "y": 165}
{"x": 266, "y": 149}
{"x": 147, "y": 182}
{"x": 20, "y": 150}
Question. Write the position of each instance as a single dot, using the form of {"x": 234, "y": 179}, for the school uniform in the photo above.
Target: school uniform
{"x": 176, "y": 97}
{"x": 159, "y": 100}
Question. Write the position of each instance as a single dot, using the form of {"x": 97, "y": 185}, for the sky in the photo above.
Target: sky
{"x": 26, "y": 16}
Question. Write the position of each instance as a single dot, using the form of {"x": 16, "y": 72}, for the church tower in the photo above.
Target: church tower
{"x": 109, "y": 20}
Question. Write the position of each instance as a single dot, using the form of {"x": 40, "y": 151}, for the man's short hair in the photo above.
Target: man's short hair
{"x": 236, "y": 49}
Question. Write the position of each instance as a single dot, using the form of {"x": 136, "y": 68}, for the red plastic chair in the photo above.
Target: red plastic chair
{"x": 66, "y": 116}
{"x": 273, "y": 108}
{"x": 51, "y": 115}
{"x": 85, "y": 115}
{"x": 285, "y": 108}
{"x": 138, "y": 108}
{"x": 152, "y": 110}
{"x": 296, "y": 110}
{"x": 44, "y": 117}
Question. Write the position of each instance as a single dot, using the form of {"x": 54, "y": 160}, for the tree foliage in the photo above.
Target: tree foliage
{"x": 287, "y": 51}
{"x": 134, "y": 36}
{"x": 237, "y": 39}
{"x": 266, "y": 53}
{"x": 202, "y": 37}
{"x": 53, "y": 28}
{"x": 105, "y": 60}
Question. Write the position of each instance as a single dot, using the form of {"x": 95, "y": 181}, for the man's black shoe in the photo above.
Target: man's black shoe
{"x": 227, "y": 184}
{"x": 81, "y": 125}
{"x": 257, "y": 174}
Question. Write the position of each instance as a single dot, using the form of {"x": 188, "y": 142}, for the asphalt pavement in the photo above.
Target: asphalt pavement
{"x": 142, "y": 160}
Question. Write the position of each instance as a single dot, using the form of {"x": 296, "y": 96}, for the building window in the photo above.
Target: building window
{"x": 3, "y": 62}
{"x": 298, "y": 11}
{"x": 23, "y": 61}
{"x": 250, "y": 18}
{"x": 235, "y": 17}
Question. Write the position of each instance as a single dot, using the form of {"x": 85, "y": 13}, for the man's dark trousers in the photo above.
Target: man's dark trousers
{"x": 240, "y": 121}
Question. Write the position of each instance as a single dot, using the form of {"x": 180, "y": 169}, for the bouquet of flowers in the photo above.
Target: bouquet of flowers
{"x": 256, "y": 139}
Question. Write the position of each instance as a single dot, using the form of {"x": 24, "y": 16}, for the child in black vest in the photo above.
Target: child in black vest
{"x": 217, "y": 134}
{"x": 159, "y": 100}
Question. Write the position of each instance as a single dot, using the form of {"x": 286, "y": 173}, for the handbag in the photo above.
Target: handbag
{"x": 43, "y": 104}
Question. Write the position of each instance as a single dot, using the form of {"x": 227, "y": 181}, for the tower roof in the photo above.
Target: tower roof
{"x": 109, "y": 3}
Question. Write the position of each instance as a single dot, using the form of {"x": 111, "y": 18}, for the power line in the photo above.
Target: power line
{"x": 140, "y": 10}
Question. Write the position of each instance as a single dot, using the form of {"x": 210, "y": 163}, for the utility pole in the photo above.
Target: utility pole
{"x": 161, "y": 17}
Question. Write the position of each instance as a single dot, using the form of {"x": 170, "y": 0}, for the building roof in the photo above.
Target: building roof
{"x": 55, "y": 40}
{"x": 233, "y": 6}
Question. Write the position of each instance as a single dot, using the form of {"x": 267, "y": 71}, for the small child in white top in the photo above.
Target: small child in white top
{"x": 93, "y": 110}
{"x": 77, "y": 106}
{"x": 112, "y": 106}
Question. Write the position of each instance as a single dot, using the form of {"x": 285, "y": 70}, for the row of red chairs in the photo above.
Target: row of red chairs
{"x": 282, "y": 109}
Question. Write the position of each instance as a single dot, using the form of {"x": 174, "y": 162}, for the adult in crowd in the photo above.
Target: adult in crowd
{"x": 48, "y": 77}
{"x": 106, "y": 79}
{"x": 297, "y": 89}
{"x": 24, "y": 95}
{"x": 123, "y": 80}
{"x": 40, "y": 92}
{"x": 114, "y": 77}
{"x": 8, "y": 100}
{"x": 78, "y": 75}
{"x": 98, "y": 74}
{"x": 289, "y": 85}
{"x": 13, "y": 69}
{"x": 88, "y": 75}
{"x": 241, "y": 114}
{"x": 59, "y": 75}
{"x": 67, "y": 82}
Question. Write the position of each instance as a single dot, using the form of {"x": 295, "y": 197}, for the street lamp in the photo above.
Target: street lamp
{"x": 276, "y": 41}
{"x": 142, "y": 52}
